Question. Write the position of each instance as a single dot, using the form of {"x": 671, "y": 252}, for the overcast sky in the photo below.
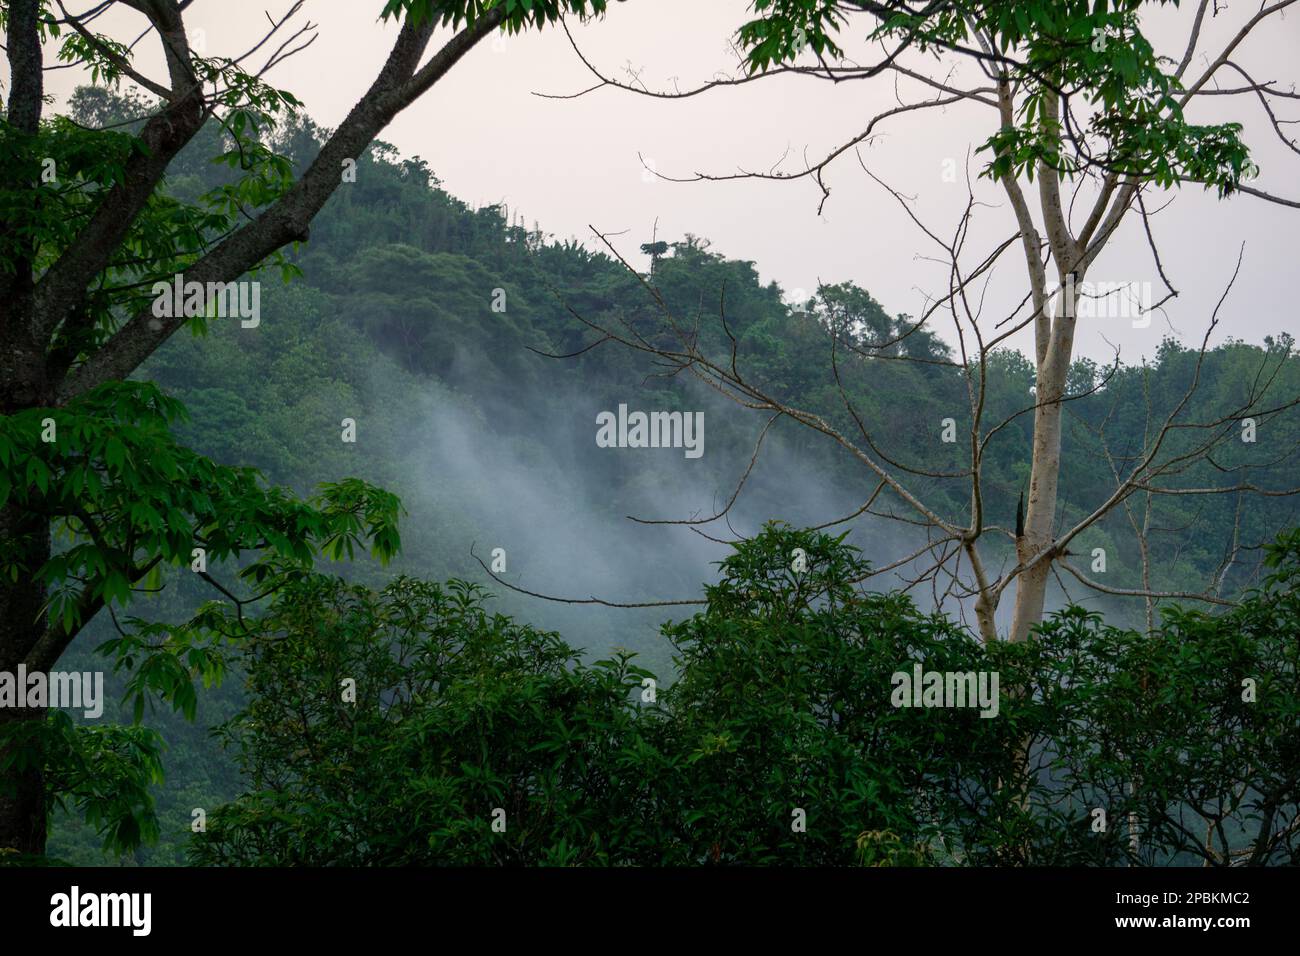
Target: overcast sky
{"x": 570, "y": 164}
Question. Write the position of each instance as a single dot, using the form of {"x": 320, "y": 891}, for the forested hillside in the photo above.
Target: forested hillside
{"x": 394, "y": 310}
{"x": 440, "y": 330}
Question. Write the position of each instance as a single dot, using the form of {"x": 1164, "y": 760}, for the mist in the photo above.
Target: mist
{"x": 521, "y": 471}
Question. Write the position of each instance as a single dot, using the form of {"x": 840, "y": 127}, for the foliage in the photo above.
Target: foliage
{"x": 784, "y": 703}
{"x": 103, "y": 774}
{"x": 129, "y": 502}
{"x": 783, "y": 707}
{"x": 1091, "y": 51}
{"x": 456, "y": 713}
{"x": 76, "y": 166}
{"x": 518, "y": 14}
{"x": 395, "y": 233}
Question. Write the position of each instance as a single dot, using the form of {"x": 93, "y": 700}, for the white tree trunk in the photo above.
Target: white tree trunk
{"x": 1045, "y": 465}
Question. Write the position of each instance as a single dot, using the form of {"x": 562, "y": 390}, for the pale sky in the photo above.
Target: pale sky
{"x": 568, "y": 164}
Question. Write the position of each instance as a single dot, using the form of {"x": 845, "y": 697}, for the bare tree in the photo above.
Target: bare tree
{"x": 1053, "y": 118}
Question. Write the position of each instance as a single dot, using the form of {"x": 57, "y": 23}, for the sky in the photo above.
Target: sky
{"x": 571, "y": 165}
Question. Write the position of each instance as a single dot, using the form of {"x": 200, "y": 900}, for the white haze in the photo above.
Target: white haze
{"x": 469, "y": 482}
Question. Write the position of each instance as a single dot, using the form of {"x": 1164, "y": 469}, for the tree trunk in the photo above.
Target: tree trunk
{"x": 1045, "y": 468}
{"x": 22, "y": 793}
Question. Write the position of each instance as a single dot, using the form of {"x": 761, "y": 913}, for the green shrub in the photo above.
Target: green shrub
{"x": 779, "y": 743}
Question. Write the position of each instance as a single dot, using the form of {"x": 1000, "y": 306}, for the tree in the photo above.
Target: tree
{"x": 1076, "y": 94}
{"x": 783, "y": 740}
{"x": 481, "y": 741}
{"x": 656, "y": 251}
{"x": 92, "y": 238}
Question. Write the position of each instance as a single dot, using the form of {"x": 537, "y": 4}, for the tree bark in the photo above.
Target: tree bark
{"x": 1045, "y": 469}
{"x": 22, "y": 621}
{"x": 1054, "y": 347}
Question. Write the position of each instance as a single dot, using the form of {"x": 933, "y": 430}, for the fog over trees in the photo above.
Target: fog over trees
{"x": 398, "y": 531}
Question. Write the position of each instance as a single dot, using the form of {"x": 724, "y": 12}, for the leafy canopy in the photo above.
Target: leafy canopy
{"x": 519, "y": 15}
{"x": 1089, "y": 51}
{"x": 127, "y": 502}
{"x": 783, "y": 701}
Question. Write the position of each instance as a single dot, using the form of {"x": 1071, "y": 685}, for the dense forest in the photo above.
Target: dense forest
{"x": 487, "y": 440}
{"x": 403, "y": 532}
